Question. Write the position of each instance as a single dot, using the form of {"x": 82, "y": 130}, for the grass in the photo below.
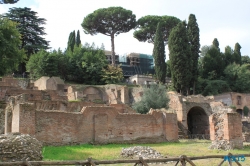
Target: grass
{"x": 168, "y": 149}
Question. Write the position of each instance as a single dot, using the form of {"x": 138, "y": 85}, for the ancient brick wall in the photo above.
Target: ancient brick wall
{"x": 225, "y": 98}
{"x": 226, "y": 128}
{"x": 23, "y": 119}
{"x": 94, "y": 124}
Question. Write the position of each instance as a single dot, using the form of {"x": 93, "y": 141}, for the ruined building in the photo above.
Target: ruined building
{"x": 65, "y": 114}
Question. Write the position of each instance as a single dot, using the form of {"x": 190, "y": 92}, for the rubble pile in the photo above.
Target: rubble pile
{"x": 140, "y": 151}
{"x": 19, "y": 147}
{"x": 221, "y": 144}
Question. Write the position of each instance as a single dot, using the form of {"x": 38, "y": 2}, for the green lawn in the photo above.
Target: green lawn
{"x": 168, "y": 149}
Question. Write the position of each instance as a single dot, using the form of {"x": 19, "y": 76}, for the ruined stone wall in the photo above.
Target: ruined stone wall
{"x": 108, "y": 94}
{"x": 135, "y": 94}
{"x": 41, "y": 83}
{"x": 176, "y": 104}
{"x": 226, "y": 130}
{"x": 14, "y": 82}
{"x": 94, "y": 124}
{"x": 225, "y": 98}
{"x": 23, "y": 118}
{"x": 240, "y": 100}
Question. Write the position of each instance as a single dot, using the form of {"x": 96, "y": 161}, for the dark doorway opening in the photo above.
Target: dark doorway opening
{"x": 240, "y": 111}
{"x": 198, "y": 121}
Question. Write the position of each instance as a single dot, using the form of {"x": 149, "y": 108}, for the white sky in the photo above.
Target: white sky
{"x": 226, "y": 20}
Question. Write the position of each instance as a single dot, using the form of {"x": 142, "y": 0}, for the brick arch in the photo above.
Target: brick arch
{"x": 198, "y": 120}
{"x": 205, "y": 106}
{"x": 92, "y": 93}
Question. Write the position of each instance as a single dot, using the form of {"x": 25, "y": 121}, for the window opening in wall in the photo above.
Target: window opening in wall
{"x": 238, "y": 100}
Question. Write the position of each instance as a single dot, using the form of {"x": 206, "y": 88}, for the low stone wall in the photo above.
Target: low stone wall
{"x": 19, "y": 147}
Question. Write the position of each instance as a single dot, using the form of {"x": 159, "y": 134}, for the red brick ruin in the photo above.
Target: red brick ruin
{"x": 58, "y": 114}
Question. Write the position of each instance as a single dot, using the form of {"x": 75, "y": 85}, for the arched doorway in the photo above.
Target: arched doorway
{"x": 198, "y": 121}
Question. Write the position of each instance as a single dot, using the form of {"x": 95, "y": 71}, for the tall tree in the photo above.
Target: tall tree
{"x": 147, "y": 25}
{"x": 8, "y": 1}
{"x": 180, "y": 61}
{"x": 109, "y": 21}
{"x": 71, "y": 41}
{"x": 194, "y": 38}
{"x": 213, "y": 62}
{"x": 216, "y": 43}
{"x": 229, "y": 57}
{"x": 159, "y": 55}
{"x": 30, "y": 28}
{"x": 78, "y": 39}
{"x": 237, "y": 53}
{"x": 10, "y": 54}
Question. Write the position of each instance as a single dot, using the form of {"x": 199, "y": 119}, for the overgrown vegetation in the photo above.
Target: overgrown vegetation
{"x": 154, "y": 97}
{"x": 246, "y": 111}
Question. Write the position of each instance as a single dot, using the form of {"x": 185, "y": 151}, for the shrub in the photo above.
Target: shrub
{"x": 154, "y": 97}
{"x": 245, "y": 110}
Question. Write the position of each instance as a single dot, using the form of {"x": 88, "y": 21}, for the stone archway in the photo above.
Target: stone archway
{"x": 197, "y": 121}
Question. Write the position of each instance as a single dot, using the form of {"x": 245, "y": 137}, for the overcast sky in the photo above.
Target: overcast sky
{"x": 226, "y": 20}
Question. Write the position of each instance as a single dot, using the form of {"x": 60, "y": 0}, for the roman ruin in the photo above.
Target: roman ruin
{"x": 58, "y": 114}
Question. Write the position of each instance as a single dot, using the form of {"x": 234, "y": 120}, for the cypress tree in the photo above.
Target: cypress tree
{"x": 71, "y": 41}
{"x": 78, "y": 39}
{"x": 194, "y": 39}
{"x": 180, "y": 61}
{"x": 237, "y": 53}
{"x": 159, "y": 55}
{"x": 216, "y": 43}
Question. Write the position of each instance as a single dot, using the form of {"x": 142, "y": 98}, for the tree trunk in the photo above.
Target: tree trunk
{"x": 112, "y": 50}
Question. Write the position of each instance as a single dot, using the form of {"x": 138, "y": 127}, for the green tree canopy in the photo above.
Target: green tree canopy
{"x": 194, "y": 38}
{"x": 179, "y": 55}
{"x": 154, "y": 97}
{"x": 237, "y": 53}
{"x": 238, "y": 77}
{"x": 109, "y": 21}
{"x": 213, "y": 62}
{"x": 31, "y": 30}
{"x": 112, "y": 74}
{"x": 216, "y": 43}
{"x": 215, "y": 87}
{"x": 147, "y": 25}
{"x": 43, "y": 63}
{"x": 10, "y": 54}
{"x": 71, "y": 41}
{"x": 78, "y": 39}
{"x": 30, "y": 27}
{"x": 245, "y": 59}
{"x": 159, "y": 55}
{"x": 228, "y": 54}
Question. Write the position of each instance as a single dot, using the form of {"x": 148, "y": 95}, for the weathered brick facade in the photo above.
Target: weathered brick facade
{"x": 93, "y": 125}
{"x": 226, "y": 127}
